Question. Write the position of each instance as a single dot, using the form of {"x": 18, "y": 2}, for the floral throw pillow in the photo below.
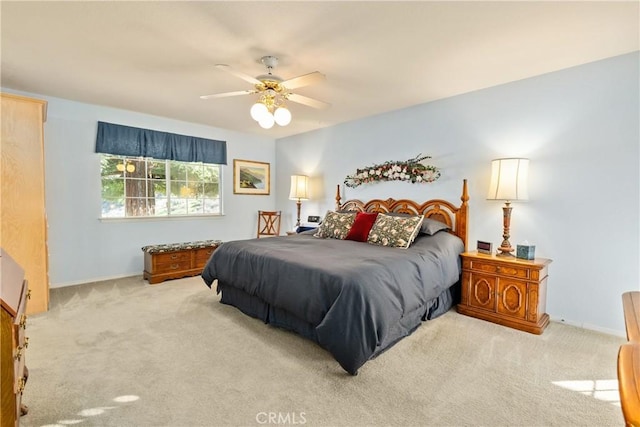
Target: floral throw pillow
{"x": 395, "y": 231}
{"x": 336, "y": 225}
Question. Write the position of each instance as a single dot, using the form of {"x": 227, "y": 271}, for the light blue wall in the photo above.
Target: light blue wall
{"x": 580, "y": 128}
{"x": 82, "y": 248}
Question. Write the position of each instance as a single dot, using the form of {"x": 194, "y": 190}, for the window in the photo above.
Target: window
{"x": 146, "y": 187}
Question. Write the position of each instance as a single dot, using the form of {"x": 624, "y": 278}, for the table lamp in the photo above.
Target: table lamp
{"x": 508, "y": 183}
{"x": 299, "y": 191}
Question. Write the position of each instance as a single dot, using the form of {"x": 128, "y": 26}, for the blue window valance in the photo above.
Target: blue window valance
{"x": 137, "y": 142}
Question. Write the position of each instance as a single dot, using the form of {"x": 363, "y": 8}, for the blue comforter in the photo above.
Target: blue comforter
{"x": 359, "y": 298}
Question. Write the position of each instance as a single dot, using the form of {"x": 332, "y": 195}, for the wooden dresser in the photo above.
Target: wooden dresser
{"x": 13, "y": 343}
{"x": 173, "y": 261}
{"x": 505, "y": 290}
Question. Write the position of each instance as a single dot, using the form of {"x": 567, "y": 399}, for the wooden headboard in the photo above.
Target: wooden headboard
{"x": 456, "y": 217}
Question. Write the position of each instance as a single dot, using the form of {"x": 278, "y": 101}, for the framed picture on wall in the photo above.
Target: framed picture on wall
{"x": 251, "y": 177}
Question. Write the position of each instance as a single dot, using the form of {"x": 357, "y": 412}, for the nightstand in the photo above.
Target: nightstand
{"x": 508, "y": 291}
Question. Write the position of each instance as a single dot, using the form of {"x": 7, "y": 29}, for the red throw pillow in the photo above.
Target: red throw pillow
{"x": 361, "y": 226}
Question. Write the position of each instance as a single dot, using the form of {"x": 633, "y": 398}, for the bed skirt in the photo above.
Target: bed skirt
{"x": 254, "y": 306}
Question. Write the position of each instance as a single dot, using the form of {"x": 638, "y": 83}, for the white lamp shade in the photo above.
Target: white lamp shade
{"x": 282, "y": 116}
{"x": 258, "y": 111}
{"x": 509, "y": 179}
{"x": 267, "y": 121}
{"x": 299, "y": 187}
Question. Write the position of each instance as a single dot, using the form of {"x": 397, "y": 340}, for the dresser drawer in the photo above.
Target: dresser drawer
{"x": 203, "y": 255}
{"x": 172, "y": 257}
{"x": 20, "y": 320}
{"x": 173, "y": 266}
{"x": 26, "y": 294}
{"x": 19, "y": 362}
{"x": 21, "y": 330}
{"x": 504, "y": 270}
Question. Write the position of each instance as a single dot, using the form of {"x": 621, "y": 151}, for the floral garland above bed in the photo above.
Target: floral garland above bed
{"x": 410, "y": 170}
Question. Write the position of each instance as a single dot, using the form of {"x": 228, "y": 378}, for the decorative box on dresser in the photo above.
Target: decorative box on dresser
{"x": 505, "y": 290}
{"x": 13, "y": 342}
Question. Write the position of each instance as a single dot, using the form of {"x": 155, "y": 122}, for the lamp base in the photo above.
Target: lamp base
{"x": 505, "y": 252}
{"x": 505, "y": 248}
{"x": 298, "y": 205}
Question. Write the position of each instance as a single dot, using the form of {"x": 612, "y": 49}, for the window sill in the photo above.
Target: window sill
{"x": 161, "y": 218}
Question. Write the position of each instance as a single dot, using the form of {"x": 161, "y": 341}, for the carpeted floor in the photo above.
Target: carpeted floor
{"x": 124, "y": 353}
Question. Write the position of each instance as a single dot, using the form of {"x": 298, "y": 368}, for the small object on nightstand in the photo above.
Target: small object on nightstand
{"x": 525, "y": 251}
{"x": 508, "y": 291}
{"x": 485, "y": 247}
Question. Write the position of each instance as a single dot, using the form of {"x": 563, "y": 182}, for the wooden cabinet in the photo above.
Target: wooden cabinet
{"x": 23, "y": 228}
{"x": 508, "y": 291}
{"x": 629, "y": 360}
{"x": 13, "y": 342}
{"x": 173, "y": 261}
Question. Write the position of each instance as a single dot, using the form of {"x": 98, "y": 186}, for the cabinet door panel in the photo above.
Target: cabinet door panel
{"x": 534, "y": 301}
{"x": 482, "y": 291}
{"x": 512, "y": 298}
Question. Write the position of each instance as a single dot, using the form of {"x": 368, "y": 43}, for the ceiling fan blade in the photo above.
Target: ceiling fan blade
{"x": 243, "y": 76}
{"x": 226, "y": 94}
{"x": 309, "y": 102}
{"x": 304, "y": 80}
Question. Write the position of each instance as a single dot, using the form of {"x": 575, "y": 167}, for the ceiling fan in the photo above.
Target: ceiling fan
{"x": 273, "y": 91}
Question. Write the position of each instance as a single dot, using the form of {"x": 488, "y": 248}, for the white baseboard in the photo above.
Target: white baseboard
{"x": 590, "y": 327}
{"x": 97, "y": 279}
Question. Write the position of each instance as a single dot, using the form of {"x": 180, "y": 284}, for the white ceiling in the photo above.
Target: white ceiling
{"x": 159, "y": 57}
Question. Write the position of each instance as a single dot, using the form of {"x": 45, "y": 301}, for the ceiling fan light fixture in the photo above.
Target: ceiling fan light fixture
{"x": 272, "y": 93}
{"x": 258, "y": 111}
{"x": 267, "y": 121}
{"x": 282, "y": 116}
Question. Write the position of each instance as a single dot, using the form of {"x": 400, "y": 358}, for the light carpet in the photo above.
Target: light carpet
{"x": 125, "y": 353}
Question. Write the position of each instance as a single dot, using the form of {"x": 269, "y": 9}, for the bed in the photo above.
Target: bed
{"x": 353, "y": 298}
